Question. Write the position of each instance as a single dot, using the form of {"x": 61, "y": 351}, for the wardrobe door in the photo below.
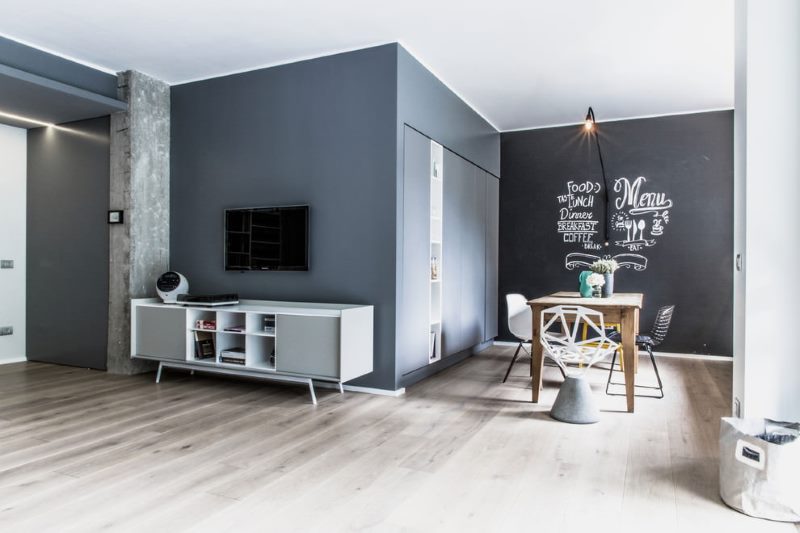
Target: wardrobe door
{"x": 413, "y": 334}
{"x": 456, "y": 171}
{"x": 473, "y": 257}
{"x": 492, "y": 255}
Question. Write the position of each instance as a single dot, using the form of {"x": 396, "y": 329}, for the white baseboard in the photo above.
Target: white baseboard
{"x": 703, "y": 357}
{"x": 13, "y": 359}
{"x": 509, "y": 343}
{"x": 383, "y": 392}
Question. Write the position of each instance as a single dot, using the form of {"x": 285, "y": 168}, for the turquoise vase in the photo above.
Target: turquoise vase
{"x": 586, "y": 289}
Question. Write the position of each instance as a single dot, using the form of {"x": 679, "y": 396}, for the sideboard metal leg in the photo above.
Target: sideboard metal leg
{"x": 158, "y": 373}
{"x": 311, "y": 390}
{"x": 341, "y": 388}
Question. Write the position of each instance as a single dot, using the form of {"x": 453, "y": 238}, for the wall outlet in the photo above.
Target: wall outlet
{"x": 6, "y": 330}
{"x": 6, "y": 263}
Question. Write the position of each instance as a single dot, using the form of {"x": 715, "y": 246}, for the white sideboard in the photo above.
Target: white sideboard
{"x": 283, "y": 341}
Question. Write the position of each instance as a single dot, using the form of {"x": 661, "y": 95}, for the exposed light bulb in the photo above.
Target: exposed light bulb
{"x": 589, "y": 125}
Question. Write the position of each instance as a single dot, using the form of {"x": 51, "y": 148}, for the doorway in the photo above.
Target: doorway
{"x": 13, "y": 153}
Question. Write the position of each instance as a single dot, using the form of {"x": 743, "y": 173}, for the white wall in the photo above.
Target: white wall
{"x": 767, "y": 177}
{"x": 13, "y": 163}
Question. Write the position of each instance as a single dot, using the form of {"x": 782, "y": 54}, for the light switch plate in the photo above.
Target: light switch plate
{"x": 6, "y": 263}
{"x": 116, "y": 217}
{"x": 6, "y": 330}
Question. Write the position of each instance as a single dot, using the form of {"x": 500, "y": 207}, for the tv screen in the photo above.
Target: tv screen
{"x": 266, "y": 238}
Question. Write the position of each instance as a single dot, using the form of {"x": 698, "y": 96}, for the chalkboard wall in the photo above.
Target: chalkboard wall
{"x": 670, "y": 183}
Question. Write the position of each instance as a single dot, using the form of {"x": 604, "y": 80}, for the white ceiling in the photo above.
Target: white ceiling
{"x": 520, "y": 63}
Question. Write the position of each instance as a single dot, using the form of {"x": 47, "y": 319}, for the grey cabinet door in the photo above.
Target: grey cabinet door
{"x": 456, "y": 171}
{"x": 473, "y": 258}
{"x": 307, "y": 345}
{"x": 413, "y": 335}
{"x": 161, "y": 332}
{"x": 492, "y": 254}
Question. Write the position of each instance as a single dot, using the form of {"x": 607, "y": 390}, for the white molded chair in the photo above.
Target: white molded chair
{"x": 520, "y": 324}
{"x": 574, "y": 403}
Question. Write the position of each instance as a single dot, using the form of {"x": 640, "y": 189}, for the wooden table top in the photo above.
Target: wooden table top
{"x": 618, "y": 299}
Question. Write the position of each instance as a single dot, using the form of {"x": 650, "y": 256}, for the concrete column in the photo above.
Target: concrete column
{"x": 139, "y": 248}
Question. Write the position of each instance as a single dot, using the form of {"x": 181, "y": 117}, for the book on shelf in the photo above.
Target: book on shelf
{"x": 205, "y": 324}
{"x": 203, "y": 345}
{"x": 235, "y": 329}
{"x": 234, "y": 356}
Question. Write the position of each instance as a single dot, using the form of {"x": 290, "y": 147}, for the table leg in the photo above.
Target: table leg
{"x": 629, "y": 354}
{"x": 636, "y": 334}
{"x": 537, "y": 356}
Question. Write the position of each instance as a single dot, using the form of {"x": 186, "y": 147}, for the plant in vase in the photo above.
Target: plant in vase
{"x": 606, "y": 268}
{"x": 596, "y": 282}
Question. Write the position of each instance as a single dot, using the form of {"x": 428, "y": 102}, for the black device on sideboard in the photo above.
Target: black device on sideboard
{"x": 208, "y": 300}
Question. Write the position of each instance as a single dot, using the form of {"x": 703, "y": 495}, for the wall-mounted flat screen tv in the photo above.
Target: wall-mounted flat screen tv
{"x": 266, "y": 238}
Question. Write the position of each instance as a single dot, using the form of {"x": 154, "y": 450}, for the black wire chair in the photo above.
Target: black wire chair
{"x": 657, "y": 335}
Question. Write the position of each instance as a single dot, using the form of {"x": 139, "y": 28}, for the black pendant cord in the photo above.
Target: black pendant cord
{"x": 595, "y": 133}
{"x": 605, "y": 185}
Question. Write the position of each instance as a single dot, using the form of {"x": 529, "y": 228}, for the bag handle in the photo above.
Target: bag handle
{"x": 750, "y": 454}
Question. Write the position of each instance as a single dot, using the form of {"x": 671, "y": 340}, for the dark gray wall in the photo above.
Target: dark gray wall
{"x": 67, "y": 285}
{"x": 320, "y": 132}
{"x": 430, "y": 107}
{"x": 19, "y": 56}
{"x": 690, "y": 158}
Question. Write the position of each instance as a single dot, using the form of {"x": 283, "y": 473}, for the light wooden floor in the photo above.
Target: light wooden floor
{"x": 85, "y": 451}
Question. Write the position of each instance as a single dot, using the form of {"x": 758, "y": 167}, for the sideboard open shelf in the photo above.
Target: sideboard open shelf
{"x": 283, "y": 341}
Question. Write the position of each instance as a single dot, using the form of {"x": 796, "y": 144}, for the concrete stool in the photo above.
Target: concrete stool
{"x": 575, "y": 403}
